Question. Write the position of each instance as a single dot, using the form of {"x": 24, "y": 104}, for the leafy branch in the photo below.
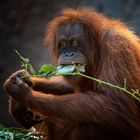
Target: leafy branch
{"x": 64, "y": 70}
{"x": 26, "y": 63}
{"x": 19, "y": 134}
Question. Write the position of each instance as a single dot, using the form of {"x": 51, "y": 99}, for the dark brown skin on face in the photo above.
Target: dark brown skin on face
{"x": 71, "y": 44}
{"x": 95, "y": 112}
{"x": 70, "y": 49}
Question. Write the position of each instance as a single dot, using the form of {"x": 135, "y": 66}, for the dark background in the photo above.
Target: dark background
{"x": 22, "y": 27}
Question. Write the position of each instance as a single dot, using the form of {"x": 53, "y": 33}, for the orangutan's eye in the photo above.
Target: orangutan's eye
{"x": 62, "y": 43}
{"x": 74, "y": 43}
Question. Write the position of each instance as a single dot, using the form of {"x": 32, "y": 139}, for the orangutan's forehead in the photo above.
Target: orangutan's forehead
{"x": 70, "y": 30}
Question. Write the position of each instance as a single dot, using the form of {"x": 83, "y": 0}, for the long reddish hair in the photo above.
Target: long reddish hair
{"x": 113, "y": 49}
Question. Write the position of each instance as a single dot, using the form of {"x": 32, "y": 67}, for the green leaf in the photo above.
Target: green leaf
{"x": 65, "y": 69}
{"x": 47, "y": 68}
{"x": 81, "y": 68}
{"x": 26, "y": 63}
{"x": 43, "y": 74}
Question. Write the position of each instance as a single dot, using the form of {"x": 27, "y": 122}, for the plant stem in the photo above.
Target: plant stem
{"x": 109, "y": 84}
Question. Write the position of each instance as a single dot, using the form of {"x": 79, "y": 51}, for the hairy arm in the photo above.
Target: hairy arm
{"x": 22, "y": 113}
{"x": 93, "y": 107}
{"x": 56, "y": 85}
{"x": 76, "y": 107}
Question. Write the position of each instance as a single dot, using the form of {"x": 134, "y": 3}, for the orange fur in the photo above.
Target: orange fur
{"x": 97, "y": 112}
{"x": 112, "y": 37}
